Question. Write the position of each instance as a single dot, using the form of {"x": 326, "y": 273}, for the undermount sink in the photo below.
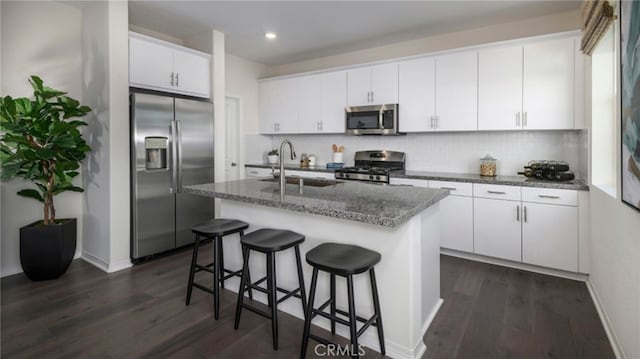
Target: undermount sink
{"x": 312, "y": 182}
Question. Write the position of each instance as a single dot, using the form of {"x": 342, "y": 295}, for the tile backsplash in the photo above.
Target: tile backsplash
{"x": 457, "y": 152}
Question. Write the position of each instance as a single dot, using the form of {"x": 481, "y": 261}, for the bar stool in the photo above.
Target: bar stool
{"x": 344, "y": 260}
{"x": 214, "y": 229}
{"x": 269, "y": 241}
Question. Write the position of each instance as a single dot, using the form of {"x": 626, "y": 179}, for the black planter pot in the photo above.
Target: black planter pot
{"x": 46, "y": 251}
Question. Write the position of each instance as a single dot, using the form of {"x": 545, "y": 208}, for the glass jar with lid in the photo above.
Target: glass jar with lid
{"x": 488, "y": 166}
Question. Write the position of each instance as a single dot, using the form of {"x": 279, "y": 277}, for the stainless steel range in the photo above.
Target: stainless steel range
{"x": 373, "y": 166}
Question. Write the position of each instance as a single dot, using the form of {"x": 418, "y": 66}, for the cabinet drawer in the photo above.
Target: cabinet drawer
{"x": 510, "y": 193}
{"x": 310, "y": 174}
{"x": 455, "y": 188}
{"x": 550, "y": 195}
{"x": 258, "y": 172}
{"x": 409, "y": 182}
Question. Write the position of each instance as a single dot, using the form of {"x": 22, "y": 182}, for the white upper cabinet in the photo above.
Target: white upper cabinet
{"x": 416, "y": 92}
{"x": 373, "y": 85}
{"x": 143, "y": 72}
{"x": 333, "y": 99}
{"x": 192, "y": 73}
{"x": 309, "y": 96}
{"x": 500, "y": 88}
{"x": 306, "y": 104}
{"x": 162, "y": 66}
{"x": 548, "y": 84}
{"x": 278, "y": 106}
{"x": 457, "y": 92}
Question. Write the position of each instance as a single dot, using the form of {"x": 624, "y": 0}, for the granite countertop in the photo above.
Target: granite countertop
{"x": 576, "y": 184}
{"x": 378, "y": 204}
{"x": 292, "y": 167}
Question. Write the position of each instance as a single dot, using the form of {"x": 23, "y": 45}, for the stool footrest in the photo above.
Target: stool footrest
{"x": 256, "y": 310}
{"x": 288, "y": 294}
{"x": 320, "y": 340}
{"x": 207, "y": 268}
{"x": 330, "y": 317}
{"x": 372, "y": 321}
{"x": 346, "y": 314}
{"x": 201, "y": 287}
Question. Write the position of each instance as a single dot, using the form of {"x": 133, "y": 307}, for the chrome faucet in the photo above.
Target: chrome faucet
{"x": 283, "y": 180}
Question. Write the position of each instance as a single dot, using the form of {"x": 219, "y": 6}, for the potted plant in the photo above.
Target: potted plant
{"x": 42, "y": 143}
{"x": 272, "y": 156}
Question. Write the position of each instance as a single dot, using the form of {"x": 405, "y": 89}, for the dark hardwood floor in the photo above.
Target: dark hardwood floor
{"x": 489, "y": 312}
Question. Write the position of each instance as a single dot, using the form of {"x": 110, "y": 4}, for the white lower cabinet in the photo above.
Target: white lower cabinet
{"x": 456, "y": 215}
{"x": 550, "y": 236}
{"x": 497, "y": 228}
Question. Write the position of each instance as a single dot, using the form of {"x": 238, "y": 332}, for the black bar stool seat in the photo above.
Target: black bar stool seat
{"x": 344, "y": 260}
{"x": 269, "y": 241}
{"x": 213, "y": 229}
{"x": 219, "y": 227}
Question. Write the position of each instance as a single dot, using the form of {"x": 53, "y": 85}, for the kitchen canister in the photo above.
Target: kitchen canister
{"x": 488, "y": 166}
{"x": 338, "y": 157}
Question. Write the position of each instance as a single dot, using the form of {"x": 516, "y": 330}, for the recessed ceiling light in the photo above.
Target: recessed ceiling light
{"x": 270, "y": 35}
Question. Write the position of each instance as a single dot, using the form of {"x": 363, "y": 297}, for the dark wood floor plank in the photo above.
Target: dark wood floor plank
{"x": 489, "y": 311}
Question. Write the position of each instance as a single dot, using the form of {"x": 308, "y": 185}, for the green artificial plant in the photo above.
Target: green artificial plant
{"x": 41, "y": 142}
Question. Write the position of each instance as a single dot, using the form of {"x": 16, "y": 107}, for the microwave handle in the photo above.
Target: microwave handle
{"x": 381, "y": 118}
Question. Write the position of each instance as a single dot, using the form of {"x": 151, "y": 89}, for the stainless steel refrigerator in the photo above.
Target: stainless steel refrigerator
{"x": 171, "y": 147}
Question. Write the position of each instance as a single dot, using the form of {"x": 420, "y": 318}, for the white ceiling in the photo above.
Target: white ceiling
{"x": 310, "y": 29}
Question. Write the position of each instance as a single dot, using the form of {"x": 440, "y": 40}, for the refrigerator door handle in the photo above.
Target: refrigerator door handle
{"x": 179, "y": 162}
{"x": 174, "y": 158}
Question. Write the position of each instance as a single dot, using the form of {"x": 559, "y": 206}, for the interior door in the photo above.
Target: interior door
{"x": 153, "y": 204}
{"x": 232, "y": 140}
{"x": 194, "y": 122}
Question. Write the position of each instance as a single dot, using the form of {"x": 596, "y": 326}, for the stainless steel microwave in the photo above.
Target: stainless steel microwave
{"x": 372, "y": 120}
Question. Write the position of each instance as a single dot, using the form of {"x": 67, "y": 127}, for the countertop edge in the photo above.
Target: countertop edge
{"x": 452, "y": 177}
{"x": 389, "y": 222}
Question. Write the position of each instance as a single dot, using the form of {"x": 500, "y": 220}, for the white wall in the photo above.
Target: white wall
{"x": 242, "y": 81}
{"x": 38, "y": 38}
{"x": 559, "y": 22}
{"x": 615, "y": 267}
{"x": 615, "y": 227}
{"x": 448, "y": 152}
{"x": 106, "y": 86}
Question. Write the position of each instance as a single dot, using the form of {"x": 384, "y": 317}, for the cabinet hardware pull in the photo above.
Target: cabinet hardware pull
{"x": 449, "y": 188}
{"x": 372, "y": 97}
{"x": 518, "y": 213}
{"x": 525, "y": 214}
{"x": 496, "y": 192}
{"x": 172, "y": 79}
{"x": 524, "y": 120}
{"x": 547, "y": 196}
{"x": 518, "y": 119}
{"x": 177, "y": 80}
{"x": 368, "y": 96}
{"x": 437, "y": 121}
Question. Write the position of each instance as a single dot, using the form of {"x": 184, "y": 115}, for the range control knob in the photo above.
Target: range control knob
{"x": 370, "y": 177}
{"x": 346, "y": 175}
{"x": 378, "y": 178}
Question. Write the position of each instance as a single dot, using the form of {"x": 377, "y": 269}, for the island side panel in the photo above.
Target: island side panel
{"x": 399, "y": 274}
{"x": 430, "y": 267}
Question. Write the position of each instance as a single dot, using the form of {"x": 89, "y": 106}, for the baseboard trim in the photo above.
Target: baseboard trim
{"x": 426, "y": 326}
{"x": 104, "y": 266}
{"x": 95, "y": 261}
{"x": 606, "y": 323}
{"x": 119, "y": 265}
{"x": 523, "y": 266}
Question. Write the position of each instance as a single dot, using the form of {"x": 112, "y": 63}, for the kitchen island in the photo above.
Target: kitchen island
{"x": 399, "y": 222}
